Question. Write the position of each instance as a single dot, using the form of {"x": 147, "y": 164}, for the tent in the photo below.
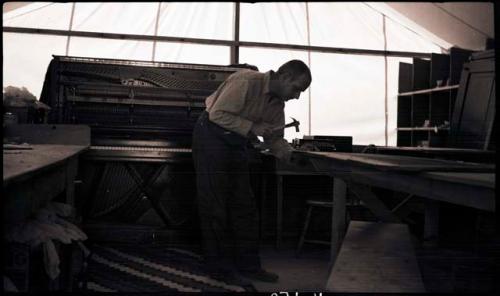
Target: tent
{"x": 352, "y": 48}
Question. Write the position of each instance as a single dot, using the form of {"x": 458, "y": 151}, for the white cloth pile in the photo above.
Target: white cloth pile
{"x": 47, "y": 226}
{"x": 8, "y": 285}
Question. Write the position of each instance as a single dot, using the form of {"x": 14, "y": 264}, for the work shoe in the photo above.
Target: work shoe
{"x": 260, "y": 275}
{"x": 228, "y": 276}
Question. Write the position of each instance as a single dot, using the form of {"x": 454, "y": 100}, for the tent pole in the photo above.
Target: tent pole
{"x": 339, "y": 50}
{"x": 156, "y": 31}
{"x": 386, "y": 112}
{"x": 70, "y": 26}
{"x": 235, "y": 49}
{"x": 309, "y": 63}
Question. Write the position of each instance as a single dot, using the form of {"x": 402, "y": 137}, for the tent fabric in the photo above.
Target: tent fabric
{"x": 409, "y": 28}
{"x": 40, "y": 15}
{"x": 112, "y": 49}
{"x": 407, "y": 40}
{"x": 192, "y": 53}
{"x": 357, "y": 110}
{"x": 351, "y": 25}
{"x": 130, "y": 18}
{"x": 210, "y": 20}
{"x": 347, "y": 91}
{"x": 274, "y": 23}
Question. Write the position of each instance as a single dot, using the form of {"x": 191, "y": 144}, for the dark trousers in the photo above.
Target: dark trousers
{"x": 226, "y": 204}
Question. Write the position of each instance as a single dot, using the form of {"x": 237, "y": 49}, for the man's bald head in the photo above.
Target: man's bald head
{"x": 296, "y": 68}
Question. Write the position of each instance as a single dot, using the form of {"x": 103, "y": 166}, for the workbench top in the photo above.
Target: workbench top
{"x": 403, "y": 163}
{"x": 475, "y": 179}
{"x": 23, "y": 163}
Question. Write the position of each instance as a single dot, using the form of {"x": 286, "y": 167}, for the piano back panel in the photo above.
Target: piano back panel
{"x": 135, "y": 122}
{"x": 129, "y": 99}
{"x": 140, "y": 114}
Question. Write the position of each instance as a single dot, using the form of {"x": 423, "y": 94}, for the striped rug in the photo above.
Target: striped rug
{"x": 150, "y": 269}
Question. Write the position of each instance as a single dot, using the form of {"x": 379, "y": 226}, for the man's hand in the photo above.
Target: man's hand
{"x": 292, "y": 157}
{"x": 283, "y": 155}
{"x": 298, "y": 158}
{"x": 261, "y": 129}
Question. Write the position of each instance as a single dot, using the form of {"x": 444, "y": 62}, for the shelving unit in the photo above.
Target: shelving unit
{"x": 427, "y": 92}
{"x": 473, "y": 121}
{"x": 423, "y": 128}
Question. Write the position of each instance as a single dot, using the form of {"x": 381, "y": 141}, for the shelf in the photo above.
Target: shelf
{"x": 423, "y": 128}
{"x": 427, "y": 94}
{"x": 425, "y": 91}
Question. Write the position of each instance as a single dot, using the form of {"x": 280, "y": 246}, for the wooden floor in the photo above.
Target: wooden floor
{"x": 376, "y": 257}
{"x": 458, "y": 269}
{"x": 444, "y": 269}
{"x": 307, "y": 272}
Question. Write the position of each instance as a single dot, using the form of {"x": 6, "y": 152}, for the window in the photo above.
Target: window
{"x": 23, "y": 66}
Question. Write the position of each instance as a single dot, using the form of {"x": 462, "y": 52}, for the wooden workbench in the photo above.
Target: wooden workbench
{"x": 281, "y": 170}
{"x": 472, "y": 155}
{"x": 41, "y": 168}
{"x": 24, "y": 163}
{"x": 36, "y": 173}
{"x": 33, "y": 177}
{"x": 466, "y": 184}
{"x": 461, "y": 183}
{"x": 398, "y": 163}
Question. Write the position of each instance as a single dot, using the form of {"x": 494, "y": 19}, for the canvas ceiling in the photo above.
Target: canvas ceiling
{"x": 348, "y": 92}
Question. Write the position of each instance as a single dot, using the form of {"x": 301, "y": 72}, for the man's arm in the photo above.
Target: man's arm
{"x": 278, "y": 145}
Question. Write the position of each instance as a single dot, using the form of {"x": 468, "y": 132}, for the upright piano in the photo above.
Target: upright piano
{"x": 138, "y": 171}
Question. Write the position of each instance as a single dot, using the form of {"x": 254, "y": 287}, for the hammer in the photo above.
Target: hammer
{"x": 294, "y": 123}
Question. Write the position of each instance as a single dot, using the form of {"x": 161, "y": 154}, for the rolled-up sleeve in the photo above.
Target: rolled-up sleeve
{"x": 229, "y": 103}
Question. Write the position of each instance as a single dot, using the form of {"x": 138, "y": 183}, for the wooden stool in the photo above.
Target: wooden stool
{"x": 311, "y": 204}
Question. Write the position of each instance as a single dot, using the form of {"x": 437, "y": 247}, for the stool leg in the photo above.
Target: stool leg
{"x": 347, "y": 217}
{"x": 304, "y": 231}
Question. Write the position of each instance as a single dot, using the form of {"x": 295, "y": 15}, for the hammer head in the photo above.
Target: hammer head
{"x": 295, "y": 123}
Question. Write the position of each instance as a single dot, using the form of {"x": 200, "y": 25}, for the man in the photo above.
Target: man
{"x": 246, "y": 105}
